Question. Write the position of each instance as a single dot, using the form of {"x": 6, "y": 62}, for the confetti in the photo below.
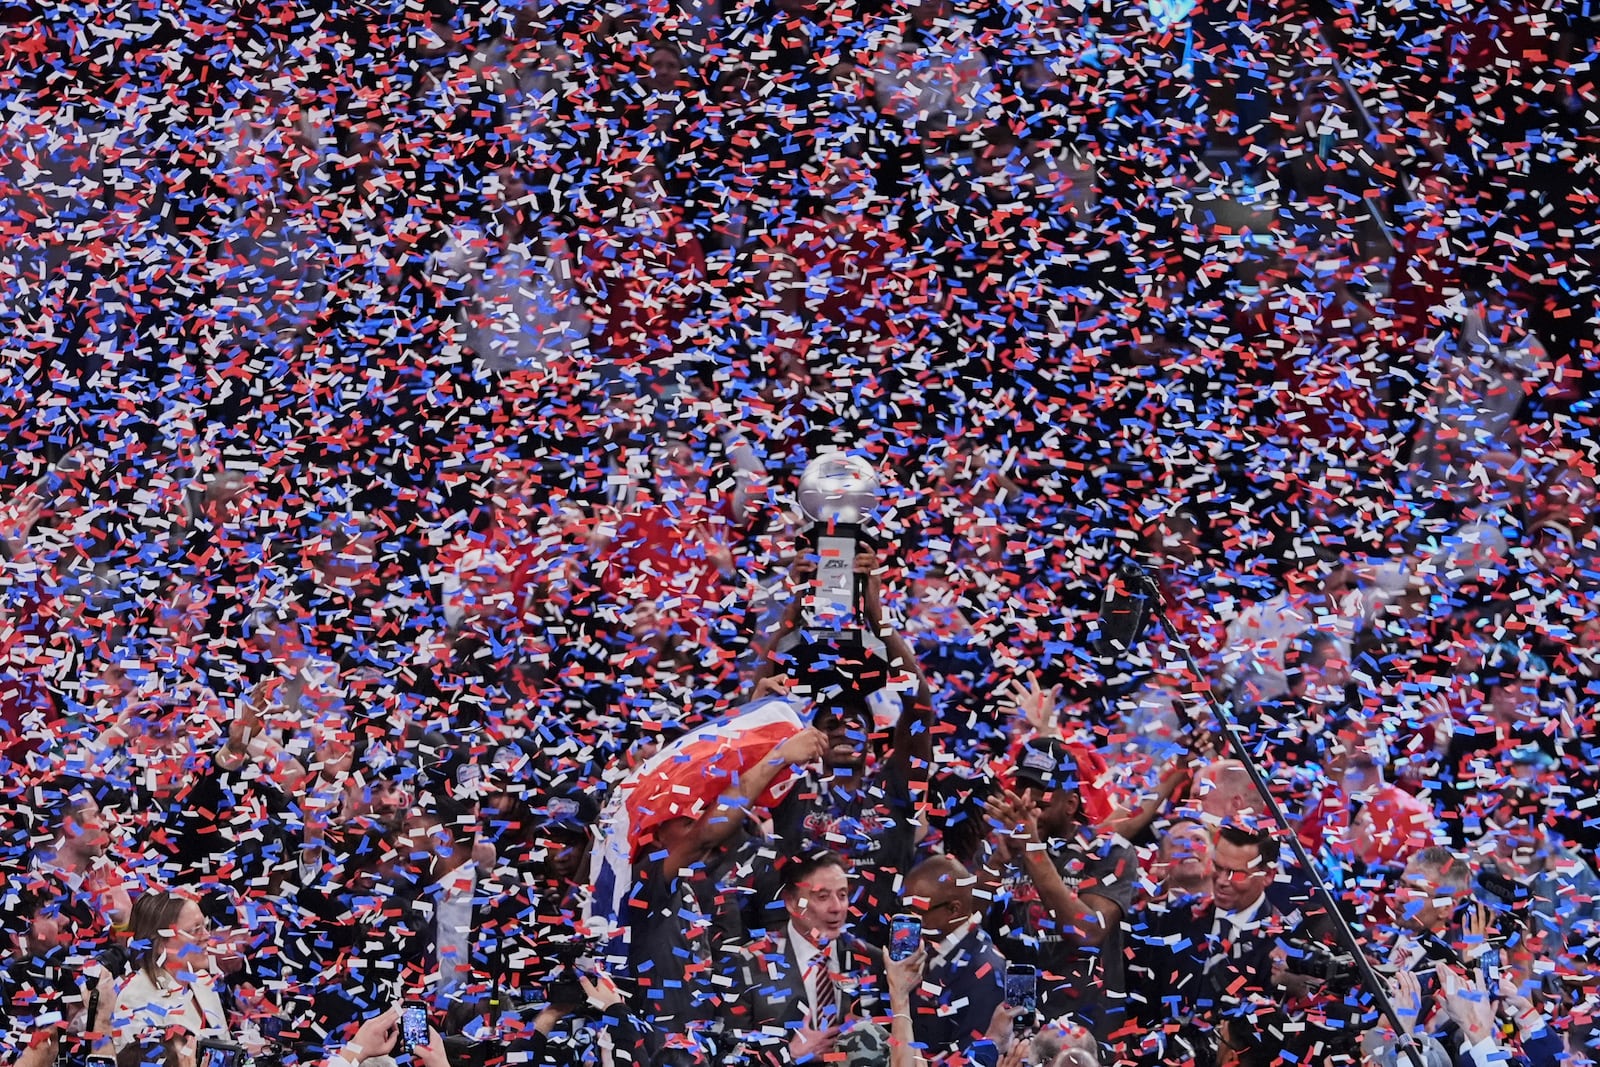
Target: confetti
{"x": 407, "y": 404}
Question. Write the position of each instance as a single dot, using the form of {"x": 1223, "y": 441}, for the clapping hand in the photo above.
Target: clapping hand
{"x": 1016, "y": 818}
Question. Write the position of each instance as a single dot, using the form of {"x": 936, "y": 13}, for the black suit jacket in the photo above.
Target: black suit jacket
{"x": 1179, "y": 974}
{"x": 971, "y": 984}
{"x": 765, "y": 999}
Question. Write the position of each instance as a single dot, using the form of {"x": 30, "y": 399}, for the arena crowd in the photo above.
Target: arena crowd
{"x": 405, "y": 654}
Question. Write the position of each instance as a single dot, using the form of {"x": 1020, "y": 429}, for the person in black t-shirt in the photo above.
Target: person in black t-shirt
{"x": 1060, "y": 887}
{"x": 864, "y": 803}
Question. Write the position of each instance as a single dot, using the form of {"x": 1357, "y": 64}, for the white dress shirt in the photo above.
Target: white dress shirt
{"x": 453, "y": 927}
{"x": 806, "y": 956}
{"x": 1229, "y": 926}
{"x": 147, "y": 1004}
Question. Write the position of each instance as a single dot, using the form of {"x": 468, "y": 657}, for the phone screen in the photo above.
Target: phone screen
{"x": 1022, "y": 987}
{"x": 413, "y": 1026}
{"x": 905, "y": 936}
{"x": 215, "y": 1055}
{"x": 1491, "y": 971}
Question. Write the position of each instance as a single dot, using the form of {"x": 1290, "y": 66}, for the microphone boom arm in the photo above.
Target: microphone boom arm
{"x": 1235, "y": 742}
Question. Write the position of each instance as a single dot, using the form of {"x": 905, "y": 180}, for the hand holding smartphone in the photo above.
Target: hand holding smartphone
{"x": 905, "y": 937}
{"x": 210, "y": 1053}
{"x": 1022, "y": 991}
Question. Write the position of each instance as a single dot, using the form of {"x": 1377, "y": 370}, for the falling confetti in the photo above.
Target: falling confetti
{"x": 406, "y": 404}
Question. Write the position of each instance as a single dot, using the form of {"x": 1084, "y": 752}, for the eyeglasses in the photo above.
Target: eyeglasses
{"x": 203, "y": 932}
{"x": 1235, "y": 874}
{"x": 929, "y": 909}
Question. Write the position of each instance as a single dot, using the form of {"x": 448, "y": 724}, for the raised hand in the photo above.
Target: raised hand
{"x": 801, "y": 574}
{"x": 1176, "y": 776}
{"x": 1039, "y": 706}
{"x": 601, "y": 990}
{"x": 773, "y": 685}
{"x": 1002, "y": 1025}
{"x": 904, "y": 975}
{"x": 1475, "y": 931}
{"x": 1015, "y": 818}
{"x": 375, "y": 1037}
{"x": 802, "y": 570}
{"x": 432, "y": 1054}
{"x": 807, "y": 746}
{"x": 1468, "y": 1003}
{"x": 1405, "y": 993}
{"x": 1016, "y": 1055}
{"x": 871, "y": 577}
{"x": 248, "y": 724}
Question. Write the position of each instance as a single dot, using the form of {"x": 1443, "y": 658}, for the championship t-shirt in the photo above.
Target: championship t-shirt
{"x": 1086, "y": 982}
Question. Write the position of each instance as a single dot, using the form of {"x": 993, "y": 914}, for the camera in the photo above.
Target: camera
{"x": 221, "y": 1054}
{"x": 567, "y": 961}
{"x": 1336, "y": 971}
{"x": 1508, "y": 894}
{"x": 1508, "y": 902}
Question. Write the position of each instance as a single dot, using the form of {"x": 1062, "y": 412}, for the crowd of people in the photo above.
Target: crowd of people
{"x": 405, "y": 651}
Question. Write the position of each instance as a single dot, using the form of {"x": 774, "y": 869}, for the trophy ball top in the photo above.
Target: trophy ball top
{"x": 838, "y": 488}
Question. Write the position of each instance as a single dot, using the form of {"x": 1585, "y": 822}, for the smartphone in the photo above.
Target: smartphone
{"x": 218, "y": 1054}
{"x": 413, "y": 1027}
{"x": 905, "y": 936}
{"x": 1490, "y": 963}
{"x": 1022, "y": 991}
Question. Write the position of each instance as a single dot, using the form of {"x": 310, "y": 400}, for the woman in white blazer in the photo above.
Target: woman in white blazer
{"x": 174, "y": 988}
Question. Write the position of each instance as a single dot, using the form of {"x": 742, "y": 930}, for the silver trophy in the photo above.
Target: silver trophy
{"x": 838, "y": 494}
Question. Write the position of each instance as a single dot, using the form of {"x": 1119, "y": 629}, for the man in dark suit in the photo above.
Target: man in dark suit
{"x": 790, "y": 996}
{"x": 1192, "y": 956}
{"x": 963, "y": 963}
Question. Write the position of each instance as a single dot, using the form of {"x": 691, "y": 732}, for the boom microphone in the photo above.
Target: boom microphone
{"x": 1130, "y": 598}
{"x": 1124, "y": 610}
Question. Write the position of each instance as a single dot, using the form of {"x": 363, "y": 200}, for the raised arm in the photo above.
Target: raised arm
{"x": 248, "y": 727}
{"x": 913, "y": 731}
{"x": 1086, "y": 921}
{"x": 718, "y": 824}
